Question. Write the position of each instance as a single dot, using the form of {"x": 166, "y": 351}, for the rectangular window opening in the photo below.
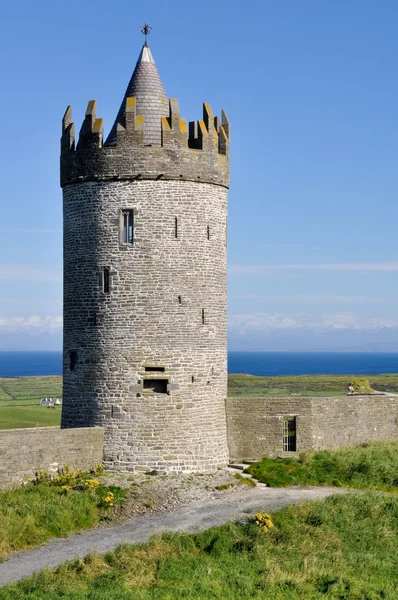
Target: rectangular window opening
{"x": 208, "y": 232}
{"x": 289, "y": 434}
{"x": 127, "y": 226}
{"x": 179, "y": 300}
{"x": 160, "y": 369}
{"x": 175, "y": 227}
{"x": 72, "y": 360}
{"x": 203, "y": 316}
{"x": 156, "y": 386}
{"x": 105, "y": 281}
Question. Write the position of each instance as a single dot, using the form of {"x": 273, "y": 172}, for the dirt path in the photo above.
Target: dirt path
{"x": 197, "y": 517}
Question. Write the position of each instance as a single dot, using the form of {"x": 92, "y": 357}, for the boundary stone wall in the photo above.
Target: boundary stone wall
{"x": 255, "y": 425}
{"x": 24, "y": 451}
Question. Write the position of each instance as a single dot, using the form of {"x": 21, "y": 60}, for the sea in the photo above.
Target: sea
{"x": 27, "y": 364}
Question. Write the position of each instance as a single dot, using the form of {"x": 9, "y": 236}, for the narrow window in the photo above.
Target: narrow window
{"x": 289, "y": 434}
{"x": 208, "y": 232}
{"x": 156, "y": 386}
{"x": 161, "y": 369}
{"x": 105, "y": 281}
{"x": 127, "y": 232}
{"x": 179, "y": 299}
{"x": 203, "y": 316}
{"x": 72, "y": 360}
{"x": 193, "y": 379}
{"x": 175, "y": 227}
{"x": 97, "y": 319}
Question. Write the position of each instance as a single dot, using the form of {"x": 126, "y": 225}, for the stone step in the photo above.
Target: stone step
{"x": 237, "y": 466}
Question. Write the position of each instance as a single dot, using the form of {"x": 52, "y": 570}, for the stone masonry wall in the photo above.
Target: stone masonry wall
{"x": 24, "y": 451}
{"x": 166, "y": 309}
{"x": 255, "y": 426}
{"x": 351, "y": 420}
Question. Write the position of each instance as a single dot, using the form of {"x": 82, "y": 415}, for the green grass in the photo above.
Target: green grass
{"x": 12, "y": 417}
{"x": 305, "y": 385}
{"x": 43, "y": 509}
{"x": 343, "y": 547}
{"x": 4, "y": 397}
{"x": 372, "y": 466}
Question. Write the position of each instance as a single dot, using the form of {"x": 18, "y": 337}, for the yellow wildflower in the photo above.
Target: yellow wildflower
{"x": 264, "y": 521}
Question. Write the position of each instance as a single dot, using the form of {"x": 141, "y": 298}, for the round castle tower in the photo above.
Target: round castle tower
{"x": 145, "y": 335}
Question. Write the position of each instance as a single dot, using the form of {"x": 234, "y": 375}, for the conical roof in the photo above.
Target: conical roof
{"x": 152, "y": 103}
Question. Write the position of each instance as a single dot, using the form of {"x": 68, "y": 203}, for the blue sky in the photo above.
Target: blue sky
{"x": 311, "y": 91}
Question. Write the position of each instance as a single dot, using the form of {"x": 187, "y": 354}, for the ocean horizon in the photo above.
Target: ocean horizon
{"x": 45, "y": 363}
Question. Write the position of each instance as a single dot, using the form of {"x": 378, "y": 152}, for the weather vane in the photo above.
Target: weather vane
{"x": 145, "y": 29}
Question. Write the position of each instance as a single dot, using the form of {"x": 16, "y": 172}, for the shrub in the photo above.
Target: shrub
{"x": 361, "y": 386}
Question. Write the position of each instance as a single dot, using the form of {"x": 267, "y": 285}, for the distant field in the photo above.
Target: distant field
{"x": 30, "y": 388}
{"x": 304, "y": 385}
{"x": 20, "y": 397}
{"x": 20, "y": 401}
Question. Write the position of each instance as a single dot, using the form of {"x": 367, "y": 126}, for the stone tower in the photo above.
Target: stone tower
{"x": 145, "y": 336}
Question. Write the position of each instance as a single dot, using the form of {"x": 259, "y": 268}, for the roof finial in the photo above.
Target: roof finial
{"x": 145, "y": 30}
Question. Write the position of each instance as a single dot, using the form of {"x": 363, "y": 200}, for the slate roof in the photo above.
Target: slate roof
{"x": 152, "y": 102}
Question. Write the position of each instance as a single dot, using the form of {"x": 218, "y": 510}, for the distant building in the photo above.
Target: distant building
{"x": 50, "y": 402}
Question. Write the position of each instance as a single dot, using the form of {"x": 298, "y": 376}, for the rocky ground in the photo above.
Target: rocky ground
{"x": 164, "y": 493}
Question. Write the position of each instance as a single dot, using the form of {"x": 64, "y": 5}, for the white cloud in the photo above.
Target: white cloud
{"x": 337, "y": 267}
{"x": 26, "y": 273}
{"x": 264, "y": 323}
{"x": 32, "y": 324}
{"x": 315, "y": 299}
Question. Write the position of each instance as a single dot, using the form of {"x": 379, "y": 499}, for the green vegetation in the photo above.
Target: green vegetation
{"x": 46, "y": 508}
{"x": 343, "y": 547}
{"x": 245, "y": 480}
{"x": 306, "y": 385}
{"x": 12, "y": 417}
{"x": 20, "y": 401}
{"x": 29, "y": 389}
{"x": 361, "y": 386}
{"x": 371, "y": 466}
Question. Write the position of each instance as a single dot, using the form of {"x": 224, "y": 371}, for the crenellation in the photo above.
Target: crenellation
{"x": 68, "y": 132}
{"x": 129, "y": 157}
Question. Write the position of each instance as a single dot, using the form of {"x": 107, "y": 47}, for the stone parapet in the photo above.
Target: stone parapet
{"x": 199, "y": 153}
{"x": 24, "y": 451}
{"x": 255, "y": 425}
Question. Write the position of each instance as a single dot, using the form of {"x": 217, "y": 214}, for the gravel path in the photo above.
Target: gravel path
{"x": 196, "y": 517}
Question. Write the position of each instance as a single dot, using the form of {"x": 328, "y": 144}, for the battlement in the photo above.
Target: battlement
{"x": 199, "y": 152}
